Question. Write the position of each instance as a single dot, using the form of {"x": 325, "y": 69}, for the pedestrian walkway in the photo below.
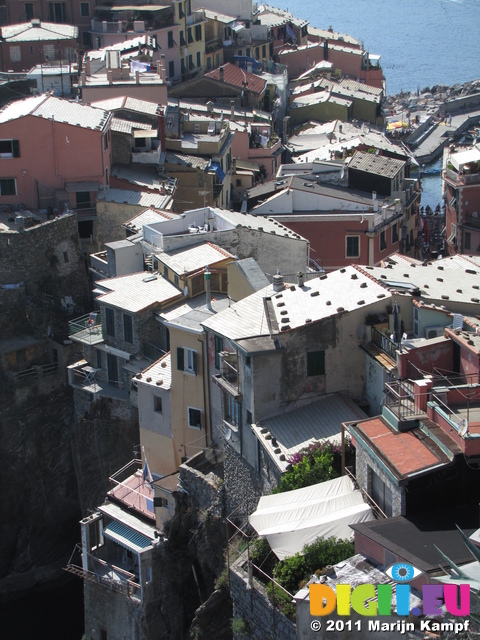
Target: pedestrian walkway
{"x": 431, "y": 146}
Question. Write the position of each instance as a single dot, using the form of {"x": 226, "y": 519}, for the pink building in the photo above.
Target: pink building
{"x": 23, "y": 46}
{"x": 356, "y": 63}
{"x": 53, "y": 153}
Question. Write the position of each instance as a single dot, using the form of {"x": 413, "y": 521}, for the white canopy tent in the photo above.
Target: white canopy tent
{"x": 293, "y": 519}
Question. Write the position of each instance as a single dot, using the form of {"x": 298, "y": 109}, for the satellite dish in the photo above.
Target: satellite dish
{"x": 185, "y": 291}
{"x": 463, "y": 427}
{"x": 228, "y": 433}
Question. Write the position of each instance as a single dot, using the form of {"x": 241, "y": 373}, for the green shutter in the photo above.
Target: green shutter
{"x": 180, "y": 359}
{"x": 16, "y": 148}
{"x": 195, "y": 362}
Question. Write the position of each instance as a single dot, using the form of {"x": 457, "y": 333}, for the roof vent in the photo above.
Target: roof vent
{"x": 340, "y": 309}
{"x": 315, "y": 293}
{"x": 363, "y": 285}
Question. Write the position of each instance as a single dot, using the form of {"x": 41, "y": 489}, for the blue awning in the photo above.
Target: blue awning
{"x": 215, "y": 166}
{"x": 126, "y": 537}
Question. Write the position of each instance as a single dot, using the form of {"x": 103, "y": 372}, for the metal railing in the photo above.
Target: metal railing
{"x": 385, "y": 343}
{"x": 87, "y": 328}
{"x": 400, "y": 399}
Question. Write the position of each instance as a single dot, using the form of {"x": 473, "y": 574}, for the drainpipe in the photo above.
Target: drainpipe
{"x": 207, "y": 288}
{"x": 204, "y": 382}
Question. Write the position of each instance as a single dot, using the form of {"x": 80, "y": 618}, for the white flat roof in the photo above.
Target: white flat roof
{"x": 137, "y": 291}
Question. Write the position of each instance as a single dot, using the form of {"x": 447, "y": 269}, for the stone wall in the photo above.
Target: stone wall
{"x": 243, "y": 485}
{"x": 362, "y": 464}
{"x": 262, "y": 620}
{"x": 48, "y": 259}
{"x": 205, "y": 489}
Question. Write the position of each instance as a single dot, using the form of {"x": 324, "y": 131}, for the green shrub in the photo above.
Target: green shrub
{"x": 282, "y": 600}
{"x": 240, "y": 628}
{"x": 316, "y": 556}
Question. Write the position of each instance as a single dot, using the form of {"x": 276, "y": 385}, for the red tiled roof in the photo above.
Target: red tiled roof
{"x": 235, "y": 76}
{"x": 404, "y": 452}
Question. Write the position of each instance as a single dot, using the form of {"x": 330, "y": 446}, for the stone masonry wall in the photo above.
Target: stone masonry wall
{"x": 205, "y": 492}
{"x": 263, "y": 621}
{"x": 47, "y": 258}
{"x": 243, "y": 485}
{"x": 362, "y": 464}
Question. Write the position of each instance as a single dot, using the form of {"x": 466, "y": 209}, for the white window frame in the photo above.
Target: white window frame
{"x": 194, "y": 426}
{"x": 188, "y": 359}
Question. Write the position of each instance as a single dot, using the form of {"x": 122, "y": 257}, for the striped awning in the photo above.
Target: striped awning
{"x": 126, "y": 537}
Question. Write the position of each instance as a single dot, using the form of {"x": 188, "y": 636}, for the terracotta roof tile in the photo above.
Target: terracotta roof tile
{"x": 235, "y": 76}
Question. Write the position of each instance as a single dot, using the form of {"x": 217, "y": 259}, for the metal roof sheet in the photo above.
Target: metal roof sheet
{"x": 377, "y": 165}
{"x": 137, "y": 291}
{"x": 194, "y": 258}
{"x": 36, "y": 31}
{"x": 159, "y": 374}
{"x": 138, "y": 198}
{"x": 295, "y": 430}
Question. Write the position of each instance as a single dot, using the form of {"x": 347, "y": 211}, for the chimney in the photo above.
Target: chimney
{"x": 249, "y": 67}
{"x": 422, "y": 389}
{"x": 209, "y": 106}
{"x": 286, "y": 121}
{"x": 374, "y": 201}
{"x": 300, "y": 279}
{"x": 207, "y": 289}
{"x": 220, "y": 70}
{"x": 88, "y": 67}
{"x": 232, "y": 109}
{"x": 137, "y": 77}
{"x": 110, "y": 76}
{"x": 278, "y": 282}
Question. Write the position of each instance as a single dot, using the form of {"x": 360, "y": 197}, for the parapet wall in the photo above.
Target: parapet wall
{"x": 262, "y": 620}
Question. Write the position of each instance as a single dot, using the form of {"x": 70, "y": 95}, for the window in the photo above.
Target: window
{"x": 189, "y": 35}
{"x": 187, "y": 360}
{"x": 181, "y": 13}
{"x": 49, "y": 51}
{"x": 198, "y": 32}
{"x": 352, "y": 246}
{"x": 110, "y": 321}
{"x": 31, "y": 49}
{"x": 8, "y": 187}
{"x": 171, "y": 41}
{"x": 218, "y": 347}
{"x": 209, "y": 63}
{"x": 99, "y": 359}
{"x": 264, "y": 51}
{"x": 182, "y": 39}
{"x": 315, "y": 363}
{"x": 381, "y": 493}
{"x": 127, "y": 328}
{"x": 199, "y": 62}
{"x": 171, "y": 69}
{"x": 383, "y": 241}
{"x": 176, "y": 279}
{"x": 468, "y": 240}
{"x": 190, "y": 62}
{"x": 395, "y": 233}
{"x": 257, "y": 53}
{"x": 232, "y": 410}
{"x": 9, "y": 149}
{"x": 57, "y": 12}
{"x": 15, "y": 54}
{"x": 194, "y": 418}
{"x": 82, "y": 199}
{"x": 239, "y": 182}
{"x": 157, "y": 404}
{"x": 84, "y": 9}
{"x": 29, "y": 11}
{"x": 159, "y": 501}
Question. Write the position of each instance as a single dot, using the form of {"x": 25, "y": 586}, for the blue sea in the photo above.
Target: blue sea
{"x": 422, "y": 43}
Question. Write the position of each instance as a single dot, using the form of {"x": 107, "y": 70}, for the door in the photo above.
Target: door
{"x": 112, "y": 369}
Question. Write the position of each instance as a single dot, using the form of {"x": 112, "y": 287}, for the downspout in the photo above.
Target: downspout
{"x": 203, "y": 389}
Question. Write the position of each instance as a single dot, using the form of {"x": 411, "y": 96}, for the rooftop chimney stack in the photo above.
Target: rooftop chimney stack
{"x": 232, "y": 109}
{"x": 207, "y": 289}
{"x": 220, "y": 70}
{"x": 278, "y": 284}
{"x": 374, "y": 201}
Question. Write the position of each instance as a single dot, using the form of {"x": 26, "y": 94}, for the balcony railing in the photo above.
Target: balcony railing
{"x": 86, "y": 329}
{"x": 400, "y": 399}
{"x": 385, "y": 343}
{"x": 462, "y": 178}
{"x": 102, "y": 26}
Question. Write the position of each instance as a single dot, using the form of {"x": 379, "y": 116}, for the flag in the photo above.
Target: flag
{"x": 146, "y": 475}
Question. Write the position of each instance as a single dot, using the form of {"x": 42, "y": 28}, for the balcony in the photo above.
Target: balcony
{"x": 228, "y": 378}
{"x": 384, "y": 343}
{"x": 86, "y": 329}
{"x": 82, "y": 376}
{"x": 461, "y": 178}
{"x": 400, "y": 400}
{"x": 129, "y": 488}
{"x": 102, "y": 26}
